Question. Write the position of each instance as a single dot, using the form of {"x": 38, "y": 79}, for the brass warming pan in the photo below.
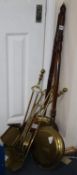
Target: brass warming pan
{"x": 48, "y": 147}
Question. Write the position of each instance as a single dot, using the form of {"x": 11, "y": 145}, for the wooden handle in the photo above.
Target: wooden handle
{"x": 70, "y": 150}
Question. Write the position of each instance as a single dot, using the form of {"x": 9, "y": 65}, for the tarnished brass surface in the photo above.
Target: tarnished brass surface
{"x": 9, "y": 136}
{"x": 46, "y": 121}
{"x": 12, "y": 132}
{"x": 48, "y": 147}
{"x": 17, "y": 156}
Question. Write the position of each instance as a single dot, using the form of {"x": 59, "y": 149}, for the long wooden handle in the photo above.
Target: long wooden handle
{"x": 53, "y": 79}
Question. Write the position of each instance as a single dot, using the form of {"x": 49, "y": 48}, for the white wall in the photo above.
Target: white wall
{"x": 67, "y": 105}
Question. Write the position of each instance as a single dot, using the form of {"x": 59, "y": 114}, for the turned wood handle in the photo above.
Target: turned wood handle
{"x": 70, "y": 150}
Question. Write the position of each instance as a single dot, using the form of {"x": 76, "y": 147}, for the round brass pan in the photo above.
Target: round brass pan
{"x": 48, "y": 147}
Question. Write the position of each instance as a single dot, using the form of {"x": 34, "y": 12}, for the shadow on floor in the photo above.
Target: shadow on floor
{"x": 31, "y": 168}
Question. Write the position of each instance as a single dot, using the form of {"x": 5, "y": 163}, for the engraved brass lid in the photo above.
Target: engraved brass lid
{"x": 48, "y": 147}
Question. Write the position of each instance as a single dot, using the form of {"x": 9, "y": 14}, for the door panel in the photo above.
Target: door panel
{"x": 21, "y": 54}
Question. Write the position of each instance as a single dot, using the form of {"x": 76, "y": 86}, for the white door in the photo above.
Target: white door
{"x": 21, "y": 54}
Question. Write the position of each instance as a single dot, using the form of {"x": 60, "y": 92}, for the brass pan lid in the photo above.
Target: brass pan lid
{"x": 48, "y": 147}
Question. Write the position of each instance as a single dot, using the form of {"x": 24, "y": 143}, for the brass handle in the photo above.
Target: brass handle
{"x": 62, "y": 92}
{"x": 41, "y": 75}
